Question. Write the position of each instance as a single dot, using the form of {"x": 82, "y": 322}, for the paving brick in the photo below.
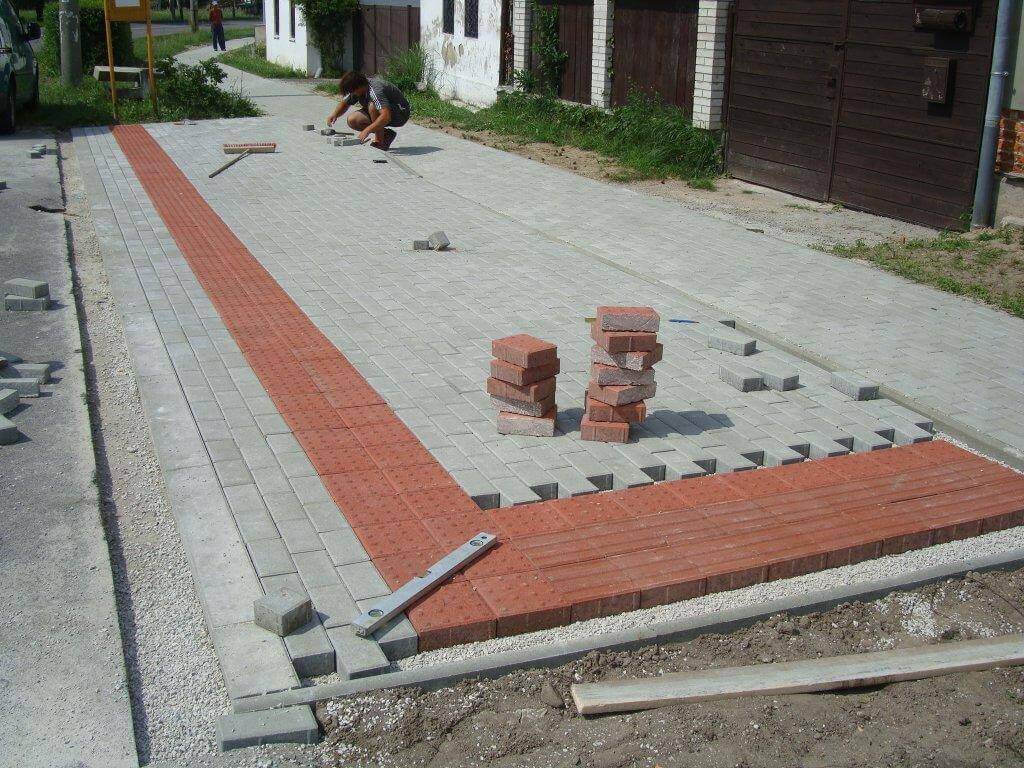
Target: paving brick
{"x": 363, "y": 580}
{"x": 514, "y": 491}
{"x": 627, "y": 319}
{"x": 536, "y": 479}
{"x": 311, "y": 650}
{"x": 616, "y": 342}
{"x": 604, "y": 431}
{"x": 631, "y": 413}
{"x": 863, "y": 439}
{"x": 524, "y": 407}
{"x": 907, "y": 433}
{"x": 678, "y": 467}
{"x": 26, "y": 288}
{"x": 613, "y": 375}
{"x": 634, "y": 361}
{"x": 727, "y": 460}
{"x": 19, "y": 304}
{"x": 621, "y": 395}
{"x": 524, "y": 350}
{"x": 9, "y": 433}
{"x": 775, "y": 374}
{"x": 356, "y": 656}
{"x": 733, "y": 342}
{"x": 282, "y": 611}
{"x": 289, "y": 725}
{"x": 481, "y": 490}
{"x": 334, "y": 605}
{"x": 592, "y": 469}
{"x": 316, "y": 569}
{"x": 535, "y": 426}
{"x": 398, "y": 638}
{"x": 521, "y": 377}
{"x": 537, "y": 392}
{"x": 571, "y": 482}
{"x": 8, "y": 401}
{"x": 271, "y": 558}
{"x": 776, "y": 453}
{"x": 741, "y": 377}
{"x": 821, "y": 446}
{"x": 853, "y": 385}
{"x": 24, "y": 387}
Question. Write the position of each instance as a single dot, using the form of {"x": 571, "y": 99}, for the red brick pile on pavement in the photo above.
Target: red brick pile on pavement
{"x": 621, "y": 373}
{"x": 522, "y": 385}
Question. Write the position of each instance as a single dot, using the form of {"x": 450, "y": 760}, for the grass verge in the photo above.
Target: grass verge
{"x": 253, "y": 58}
{"x": 987, "y": 265}
{"x": 648, "y": 139}
{"x": 62, "y": 107}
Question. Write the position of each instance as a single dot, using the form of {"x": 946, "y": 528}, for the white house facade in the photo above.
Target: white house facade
{"x": 462, "y": 41}
{"x": 288, "y": 41}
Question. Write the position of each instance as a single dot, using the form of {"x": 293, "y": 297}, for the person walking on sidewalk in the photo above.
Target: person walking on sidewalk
{"x": 217, "y": 25}
{"x": 382, "y": 106}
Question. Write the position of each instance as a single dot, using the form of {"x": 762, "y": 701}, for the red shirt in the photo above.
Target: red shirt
{"x": 216, "y": 15}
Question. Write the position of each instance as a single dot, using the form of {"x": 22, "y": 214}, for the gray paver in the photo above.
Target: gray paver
{"x": 343, "y": 546}
{"x": 822, "y": 447}
{"x": 334, "y": 605}
{"x": 9, "y": 400}
{"x": 288, "y": 725}
{"x": 26, "y": 288}
{"x": 776, "y": 374}
{"x": 397, "y": 638}
{"x": 514, "y": 492}
{"x": 741, "y": 377}
{"x": 731, "y": 341}
{"x": 299, "y": 536}
{"x": 356, "y": 656}
{"x": 270, "y": 557}
{"x": 9, "y": 433}
{"x": 311, "y": 651}
{"x": 363, "y": 581}
{"x": 24, "y": 387}
{"x": 316, "y": 569}
{"x": 854, "y": 385}
{"x": 282, "y": 611}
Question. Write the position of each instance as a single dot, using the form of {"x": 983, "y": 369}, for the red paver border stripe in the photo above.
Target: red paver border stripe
{"x": 572, "y": 559}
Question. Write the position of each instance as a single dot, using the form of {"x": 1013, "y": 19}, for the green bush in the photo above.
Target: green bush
{"x": 327, "y": 21}
{"x": 407, "y": 69}
{"x": 193, "y": 92}
{"x": 93, "y": 35}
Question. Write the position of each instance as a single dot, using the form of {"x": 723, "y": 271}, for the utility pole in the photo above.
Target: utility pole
{"x": 193, "y": 16}
{"x": 70, "y": 43}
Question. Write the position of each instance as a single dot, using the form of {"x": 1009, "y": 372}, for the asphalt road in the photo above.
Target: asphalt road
{"x": 139, "y": 30}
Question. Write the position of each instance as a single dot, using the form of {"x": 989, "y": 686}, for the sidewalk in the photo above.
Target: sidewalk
{"x": 64, "y": 698}
{"x": 958, "y": 361}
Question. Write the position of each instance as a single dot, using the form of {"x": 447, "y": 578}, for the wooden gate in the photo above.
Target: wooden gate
{"x": 381, "y": 31}
{"x": 655, "y": 50}
{"x": 849, "y": 101}
{"x": 575, "y": 38}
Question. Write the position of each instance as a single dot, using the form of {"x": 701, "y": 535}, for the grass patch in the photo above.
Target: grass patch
{"x": 985, "y": 265}
{"x": 171, "y": 45}
{"x": 253, "y": 58}
{"x": 188, "y": 92}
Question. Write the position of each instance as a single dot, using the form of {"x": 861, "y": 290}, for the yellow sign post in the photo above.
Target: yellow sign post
{"x": 129, "y": 11}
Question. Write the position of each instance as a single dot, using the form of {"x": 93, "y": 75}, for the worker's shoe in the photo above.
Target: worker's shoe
{"x": 389, "y": 138}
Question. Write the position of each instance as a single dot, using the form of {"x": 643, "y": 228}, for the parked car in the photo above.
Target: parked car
{"x": 19, "y": 70}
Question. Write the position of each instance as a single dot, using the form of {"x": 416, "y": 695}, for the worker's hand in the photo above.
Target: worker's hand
{"x": 364, "y": 135}
{"x": 330, "y": 120}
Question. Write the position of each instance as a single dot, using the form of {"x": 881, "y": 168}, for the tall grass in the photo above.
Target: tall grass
{"x": 407, "y": 69}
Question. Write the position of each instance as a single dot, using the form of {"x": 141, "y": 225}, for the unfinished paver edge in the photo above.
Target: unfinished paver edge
{"x": 550, "y": 655}
{"x": 130, "y": 298}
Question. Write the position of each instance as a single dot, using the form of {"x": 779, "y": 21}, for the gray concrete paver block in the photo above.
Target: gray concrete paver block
{"x": 356, "y": 656}
{"x": 26, "y": 288}
{"x": 343, "y": 546}
{"x": 289, "y": 725}
{"x": 270, "y": 557}
{"x": 9, "y": 400}
{"x": 300, "y": 536}
{"x": 310, "y": 649}
{"x": 853, "y": 385}
{"x": 397, "y": 638}
{"x": 9, "y": 433}
{"x": 24, "y": 387}
{"x": 316, "y": 569}
{"x": 282, "y": 611}
{"x": 363, "y": 580}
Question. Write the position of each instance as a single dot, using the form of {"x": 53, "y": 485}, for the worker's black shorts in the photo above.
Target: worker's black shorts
{"x": 398, "y": 117}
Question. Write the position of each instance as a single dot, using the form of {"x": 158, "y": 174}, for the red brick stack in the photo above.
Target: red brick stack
{"x": 522, "y": 385}
{"x": 621, "y": 372}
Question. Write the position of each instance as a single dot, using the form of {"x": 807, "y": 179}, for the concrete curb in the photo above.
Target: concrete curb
{"x": 496, "y": 665}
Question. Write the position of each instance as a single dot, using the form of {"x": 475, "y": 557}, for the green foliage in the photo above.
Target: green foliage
{"x": 94, "y": 38}
{"x": 253, "y": 58}
{"x": 407, "y": 69}
{"x": 550, "y": 57}
{"x": 171, "y": 45}
{"x": 192, "y": 91}
{"x": 327, "y": 21}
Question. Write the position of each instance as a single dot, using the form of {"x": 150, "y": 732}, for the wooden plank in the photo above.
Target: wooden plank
{"x": 836, "y": 673}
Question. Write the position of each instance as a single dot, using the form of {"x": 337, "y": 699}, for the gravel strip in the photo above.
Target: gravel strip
{"x": 871, "y": 570}
{"x": 177, "y": 691}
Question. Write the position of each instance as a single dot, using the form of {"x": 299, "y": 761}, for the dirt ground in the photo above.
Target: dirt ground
{"x": 791, "y": 218}
{"x": 964, "y": 720}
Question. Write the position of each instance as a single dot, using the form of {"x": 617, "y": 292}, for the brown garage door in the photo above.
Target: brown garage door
{"x": 827, "y": 101}
{"x": 382, "y": 31}
{"x": 655, "y": 50}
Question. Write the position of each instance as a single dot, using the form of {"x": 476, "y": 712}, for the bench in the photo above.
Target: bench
{"x": 136, "y": 77}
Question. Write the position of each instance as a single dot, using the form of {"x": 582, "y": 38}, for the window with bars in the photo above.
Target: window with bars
{"x": 291, "y": 18}
{"x": 472, "y": 18}
{"x": 277, "y": 18}
{"x": 448, "y": 17}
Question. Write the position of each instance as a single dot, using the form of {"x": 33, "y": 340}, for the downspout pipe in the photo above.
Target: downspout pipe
{"x": 984, "y": 187}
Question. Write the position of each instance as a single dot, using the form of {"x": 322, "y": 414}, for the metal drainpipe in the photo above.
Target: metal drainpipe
{"x": 985, "y": 185}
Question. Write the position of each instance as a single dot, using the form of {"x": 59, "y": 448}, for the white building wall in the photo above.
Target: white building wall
{"x": 709, "y": 74}
{"x": 463, "y": 68}
{"x": 601, "y": 53}
{"x": 295, "y": 52}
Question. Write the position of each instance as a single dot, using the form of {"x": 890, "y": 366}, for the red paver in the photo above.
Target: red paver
{"x": 571, "y": 559}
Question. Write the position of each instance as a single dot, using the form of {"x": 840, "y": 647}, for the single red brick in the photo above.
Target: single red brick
{"x": 367, "y": 482}
{"x": 622, "y": 395}
{"x": 454, "y": 530}
{"x": 523, "y": 407}
{"x": 604, "y": 431}
{"x": 704, "y": 491}
{"x": 437, "y": 502}
{"x": 326, "y": 439}
{"x": 594, "y": 589}
{"x": 521, "y": 377}
{"x": 419, "y": 477}
{"x": 592, "y": 508}
{"x": 728, "y": 569}
{"x": 759, "y": 483}
{"x": 663, "y": 575}
{"x": 534, "y": 426}
{"x": 363, "y": 508}
{"x": 396, "y": 455}
{"x": 646, "y": 500}
{"x": 615, "y": 342}
{"x": 530, "y": 519}
{"x": 451, "y": 615}
{"x": 522, "y": 602}
{"x": 611, "y": 375}
{"x": 500, "y": 560}
{"x": 396, "y": 570}
{"x": 524, "y": 350}
{"x": 365, "y": 415}
{"x": 628, "y": 319}
{"x": 331, "y": 461}
{"x": 533, "y": 393}
{"x": 395, "y": 537}
{"x": 384, "y": 433}
{"x": 634, "y": 361}
{"x": 632, "y": 413}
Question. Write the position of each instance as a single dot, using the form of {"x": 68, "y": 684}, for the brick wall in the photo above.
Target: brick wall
{"x": 1010, "y": 150}
{"x": 709, "y": 74}
{"x": 521, "y": 24}
{"x": 600, "y": 81}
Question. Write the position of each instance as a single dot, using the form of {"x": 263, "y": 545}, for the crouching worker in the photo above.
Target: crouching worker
{"x": 381, "y": 107}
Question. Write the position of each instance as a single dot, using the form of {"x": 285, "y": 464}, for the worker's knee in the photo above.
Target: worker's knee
{"x": 358, "y": 121}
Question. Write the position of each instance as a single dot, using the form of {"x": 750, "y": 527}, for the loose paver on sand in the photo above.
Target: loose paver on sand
{"x": 354, "y": 347}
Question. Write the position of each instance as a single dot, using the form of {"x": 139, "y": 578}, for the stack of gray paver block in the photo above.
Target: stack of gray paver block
{"x": 17, "y": 379}
{"x": 25, "y": 294}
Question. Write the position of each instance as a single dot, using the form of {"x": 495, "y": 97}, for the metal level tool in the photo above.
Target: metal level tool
{"x": 390, "y": 606}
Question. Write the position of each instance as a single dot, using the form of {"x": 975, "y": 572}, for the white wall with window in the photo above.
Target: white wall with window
{"x": 462, "y": 40}
{"x": 288, "y": 38}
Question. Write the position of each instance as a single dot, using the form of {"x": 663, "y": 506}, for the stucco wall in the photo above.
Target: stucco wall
{"x": 463, "y": 68}
{"x": 296, "y": 52}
